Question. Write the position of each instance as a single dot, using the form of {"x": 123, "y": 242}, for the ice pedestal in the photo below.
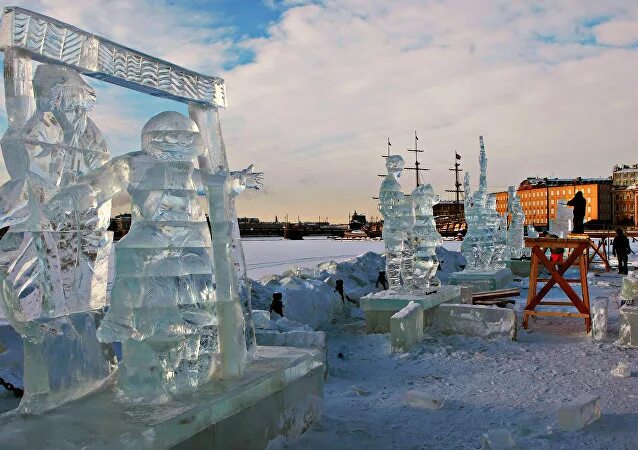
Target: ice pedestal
{"x": 475, "y": 320}
{"x": 519, "y": 267}
{"x": 279, "y": 395}
{"x": 406, "y": 327}
{"x": 380, "y": 307}
{"x": 482, "y": 281}
{"x": 628, "y": 333}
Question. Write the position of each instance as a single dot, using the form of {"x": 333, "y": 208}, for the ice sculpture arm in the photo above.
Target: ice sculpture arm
{"x": 468, "y": 191}
{"x": 13, "y": 202}
{"x": 245, "y": 179}
{"x": 92, "y": 191}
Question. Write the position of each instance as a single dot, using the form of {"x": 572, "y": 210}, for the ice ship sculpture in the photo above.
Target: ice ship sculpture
{"x": 425, "y": 238}
{"x": 478, "y": 243}
{"x": 52, "y": 278}
{"x": 398, "y": 219}
{"x": 516, "y": 229}
{"x": 53, "y": 272}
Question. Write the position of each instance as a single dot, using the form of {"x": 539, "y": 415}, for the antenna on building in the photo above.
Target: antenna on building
{"x": 416, "y": 152}
{"x": 457, "y": 183}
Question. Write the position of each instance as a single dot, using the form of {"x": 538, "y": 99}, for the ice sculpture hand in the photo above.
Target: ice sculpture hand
{"x": 252, "y": 180}
{"x": 247, "y": 179}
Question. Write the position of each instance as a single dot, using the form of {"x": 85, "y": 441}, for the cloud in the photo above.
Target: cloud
{"x": 619, "y": 33}
{"x": 334, "y": 80}
{"x": 330, "y": 81}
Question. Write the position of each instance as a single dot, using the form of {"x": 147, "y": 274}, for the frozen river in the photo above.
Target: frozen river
{"x": 266, "y": 256}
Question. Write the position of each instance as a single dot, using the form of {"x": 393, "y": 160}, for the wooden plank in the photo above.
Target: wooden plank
{"x": 556, "y": 314}
{"x": 533, "y": 282}
{"x": 569, "y": 280}
{"x": 501, "y": 293}
{"x": 552, "y": 303}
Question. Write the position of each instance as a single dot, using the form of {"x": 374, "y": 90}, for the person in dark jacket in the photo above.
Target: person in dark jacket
{"x": 382, "y": 280}
{"x": 621, "y": 251}
{"x": 277, "y": 306}
{"x": 580, "y": 205}
{"x": 344, "y": 296}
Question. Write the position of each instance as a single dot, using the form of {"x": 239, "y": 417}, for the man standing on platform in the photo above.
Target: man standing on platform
{"x": 579, "y": 203}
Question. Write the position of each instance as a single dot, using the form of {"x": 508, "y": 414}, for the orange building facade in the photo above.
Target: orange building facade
{"x": 540, "y": 196}
{"x": 625, "y": 195}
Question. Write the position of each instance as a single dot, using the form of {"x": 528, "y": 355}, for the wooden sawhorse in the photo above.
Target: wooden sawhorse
{"x": 579, "y": 256}
{"x": 600, "y": 249}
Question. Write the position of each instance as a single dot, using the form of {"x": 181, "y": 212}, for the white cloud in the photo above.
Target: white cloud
{"x": 333, "y": 80}
{"x": 619, "y": 33}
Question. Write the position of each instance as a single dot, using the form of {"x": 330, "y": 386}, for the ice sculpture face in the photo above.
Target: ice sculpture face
{"x": 482, "y": 220}
{"x": 171, "y": 136}
{"x": 425, "y": 238}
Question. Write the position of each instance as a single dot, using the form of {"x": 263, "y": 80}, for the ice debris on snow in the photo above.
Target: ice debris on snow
{"x": 497, "y": 439}
{"x": 422, "y": 400}
{"x": 579, "y": 413}
{"x": 621, "y": 370}
{"x": 599, "y": 319}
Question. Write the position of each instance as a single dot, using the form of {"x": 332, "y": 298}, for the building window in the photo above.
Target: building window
{"x": 589, "y": 209}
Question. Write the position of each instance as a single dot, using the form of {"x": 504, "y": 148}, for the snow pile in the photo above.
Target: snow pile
{"x": 307, "y": 301}
{"x": 449, "y": 261}
{"x": 308, "y": 293}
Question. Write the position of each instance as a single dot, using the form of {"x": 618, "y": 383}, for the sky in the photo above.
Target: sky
{"x": 316, "y": 88}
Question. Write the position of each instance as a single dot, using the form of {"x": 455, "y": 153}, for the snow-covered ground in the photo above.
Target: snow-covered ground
{"x": 517, "y": 386}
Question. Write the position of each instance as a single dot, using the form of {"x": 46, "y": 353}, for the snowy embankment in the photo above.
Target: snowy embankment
{"x": 309, "y": 294}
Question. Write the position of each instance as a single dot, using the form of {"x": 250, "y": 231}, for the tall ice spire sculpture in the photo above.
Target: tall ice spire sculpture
{"x": 485, "y": 241}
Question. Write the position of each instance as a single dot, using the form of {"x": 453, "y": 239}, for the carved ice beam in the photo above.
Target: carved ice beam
{"x": 50, "y": 41}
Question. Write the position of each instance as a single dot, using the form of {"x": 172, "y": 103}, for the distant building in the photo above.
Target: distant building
{"x": 539, "y": 196}
{"x": 625, "y": 195}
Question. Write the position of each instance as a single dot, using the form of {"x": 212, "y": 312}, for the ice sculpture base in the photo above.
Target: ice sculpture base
{"x": 380, "y": 307}
{"x": 482, "y": 281}
{"x": 280, "y": 395}
{"x": 519, "y": 267}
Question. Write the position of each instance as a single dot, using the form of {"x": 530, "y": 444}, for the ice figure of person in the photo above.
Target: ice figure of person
{"x": 516, "y": 229}
{"x": 163, "y": 305}
{"x": 478, "y": 243}
{"x": 425, "y": 238}
{"x": 498, "y": 226}
{"x": 398, "y": 220}
{"x": 54, "y": 272}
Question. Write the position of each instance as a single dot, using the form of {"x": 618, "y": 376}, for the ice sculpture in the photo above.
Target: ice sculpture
{"x": 163, "y": 302}
{"x": 563, "y": 223}
{"x": 398, "y": 219}
{"x": 478, "y": 243}
{"x": 425, "y": 237}
{"x": 67, "y": 146}
{"x": 53, "y": 272}
{"x": 516, "y": 230}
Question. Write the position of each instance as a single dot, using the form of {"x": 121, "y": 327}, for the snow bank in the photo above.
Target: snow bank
{"x": 308, "y": 293}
